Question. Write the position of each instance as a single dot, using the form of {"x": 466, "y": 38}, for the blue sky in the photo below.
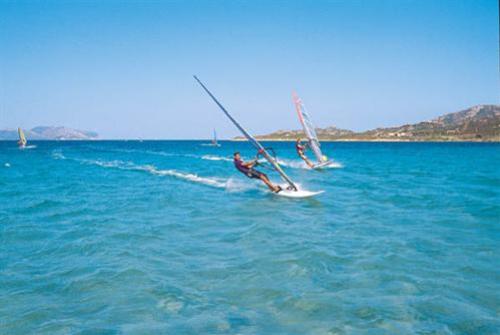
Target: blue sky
{"x": 124, "y": 68}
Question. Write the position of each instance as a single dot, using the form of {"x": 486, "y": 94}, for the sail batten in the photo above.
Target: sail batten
{"x": 309, "y": 129}
{"x": 251, "y": 139}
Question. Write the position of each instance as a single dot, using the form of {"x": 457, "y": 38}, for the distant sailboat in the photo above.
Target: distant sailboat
{"x": 22, "y": 139}
{"x": 214, "y": 142}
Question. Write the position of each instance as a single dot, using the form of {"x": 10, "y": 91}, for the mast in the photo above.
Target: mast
{"x": 251, "y": 139}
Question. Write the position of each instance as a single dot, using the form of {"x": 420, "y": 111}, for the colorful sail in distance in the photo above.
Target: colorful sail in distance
{"x": 22, "y": 138}
{"x": 309, "y": 129}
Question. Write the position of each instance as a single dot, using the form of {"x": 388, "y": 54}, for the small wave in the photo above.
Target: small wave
{"x": 293, "y": 163}
{"x": 216, "y": 158}
{"x": 158, "y": 153}
{"x": 58, "y": 155}
{"x": 170, "y": 305}
{"x": 333, "y": 165}
{"x": 296, "y": 164}
{"x": 139, "y": 151}
{"x": 7, "y": 165}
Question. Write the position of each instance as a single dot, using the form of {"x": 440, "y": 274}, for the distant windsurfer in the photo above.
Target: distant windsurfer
{"x": 22, "y": 139}
{"x": 301, "y": 148}
{"x": 247, "y": 168}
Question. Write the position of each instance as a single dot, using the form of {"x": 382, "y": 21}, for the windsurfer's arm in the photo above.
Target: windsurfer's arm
{"x": 249, "y": 164}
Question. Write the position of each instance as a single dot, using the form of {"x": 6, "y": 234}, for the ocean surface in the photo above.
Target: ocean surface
{"x": 165, "y": 237}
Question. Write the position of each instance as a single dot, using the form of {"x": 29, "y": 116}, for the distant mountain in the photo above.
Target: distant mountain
{"x": 478, "y": 123}
{"x": 294, "y": 134}
{"x": 49, "y": 133}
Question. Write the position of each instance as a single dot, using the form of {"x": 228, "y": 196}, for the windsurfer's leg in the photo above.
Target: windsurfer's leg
{"x": 271, "y": 186}
{"x": 308, "y": 162}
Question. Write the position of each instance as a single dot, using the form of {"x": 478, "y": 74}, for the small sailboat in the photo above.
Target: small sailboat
{"x": 22, "y": 139}
{"x": 214, "y": 142}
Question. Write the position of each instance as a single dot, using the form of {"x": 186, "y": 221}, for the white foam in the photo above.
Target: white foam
{"x": 29, "y": 147}
{"x": 295, "y": 164}
{"x": 333, "y": 165}
{"x": 216, "y": 158}
{"x": 57, "y": 155}
{"x": 214, "y": 182}
{"x": 157, "y": 153}
{"x": 170, "y": 305}
{"x": 300, "y": 164}
{"x": 7, "y": 164}
{"x": 237, "y": 185}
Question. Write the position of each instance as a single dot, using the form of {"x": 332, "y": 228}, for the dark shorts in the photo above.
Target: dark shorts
{"x": 254, "y": 174}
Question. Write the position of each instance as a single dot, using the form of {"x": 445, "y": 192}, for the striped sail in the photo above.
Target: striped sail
{"x": 309, "y": 128}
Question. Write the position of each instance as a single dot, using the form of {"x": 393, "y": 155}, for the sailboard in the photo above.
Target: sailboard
{"x": 291, "y": 186}
{"x": 298, "y": 194}
{"x": 310, "y": 132}
{"x": 22, "y": 139}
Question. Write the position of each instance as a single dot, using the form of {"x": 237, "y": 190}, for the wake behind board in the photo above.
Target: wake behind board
{"x": 323, "y": 165}
{"x": 28, "y": 147}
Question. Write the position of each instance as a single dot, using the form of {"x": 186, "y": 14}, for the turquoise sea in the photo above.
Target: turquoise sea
{"x": 165, "y": 237}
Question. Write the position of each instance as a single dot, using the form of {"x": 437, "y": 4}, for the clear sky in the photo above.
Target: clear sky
{"x": 124, "y": 68}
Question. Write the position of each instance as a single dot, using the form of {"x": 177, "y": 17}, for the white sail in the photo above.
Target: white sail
{"x": 214, "y": 142}
{"x": 252, "y": 140}
{"x": 22, "y": 138}
{"x": 309, "y": 129}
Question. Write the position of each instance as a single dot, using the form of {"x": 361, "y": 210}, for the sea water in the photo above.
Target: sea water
{"x": 166, "y": 237}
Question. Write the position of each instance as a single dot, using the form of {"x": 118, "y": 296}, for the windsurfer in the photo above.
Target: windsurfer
{"x": 22, "y": 139}
{"x": 247, "y": 168}
{"x": 301, "y": 148}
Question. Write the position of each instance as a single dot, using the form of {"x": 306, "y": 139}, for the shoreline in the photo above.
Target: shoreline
{"x": 379, "y": 140}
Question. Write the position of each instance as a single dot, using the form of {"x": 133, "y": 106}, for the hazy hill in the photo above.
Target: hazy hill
{"x": 49, "y": 133}
{"x": 478, "y": 123}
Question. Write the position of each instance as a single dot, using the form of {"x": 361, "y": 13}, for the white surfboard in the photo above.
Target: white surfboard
{"x": 28, "y": 147}
{"x": 298, "y": 194}
{"x": 323, "y": 165}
